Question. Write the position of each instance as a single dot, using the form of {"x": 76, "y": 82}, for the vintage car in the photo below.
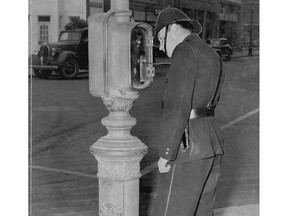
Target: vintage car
{"x": 221, "y": 46}
{"x": 66, "y": 57}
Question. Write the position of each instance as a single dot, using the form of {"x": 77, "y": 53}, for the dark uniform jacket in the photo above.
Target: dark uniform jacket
{"x": 191, "y": 83}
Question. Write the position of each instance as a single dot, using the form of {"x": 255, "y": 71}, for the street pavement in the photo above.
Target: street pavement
{"x": 66, "y": 122}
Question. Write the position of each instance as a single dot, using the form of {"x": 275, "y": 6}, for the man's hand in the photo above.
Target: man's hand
{"x": 163, "y": 165}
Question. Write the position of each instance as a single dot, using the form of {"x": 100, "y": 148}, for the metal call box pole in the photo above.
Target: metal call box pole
{"x": 120, "y": 64}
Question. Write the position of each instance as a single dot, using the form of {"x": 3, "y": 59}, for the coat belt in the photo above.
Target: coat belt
{"x": 201, "y": 112}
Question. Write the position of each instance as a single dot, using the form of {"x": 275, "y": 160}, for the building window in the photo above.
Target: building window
{"x": 44, "y": 33}
{"x": 210, "y": 24}
{"x": 222, "y": 9}
{"x": 231, "y": 9}
{"x": 60, "y": 21}
{"x": 188, "y": 12}
{"x": 43, "y": 23}
{"x": 43, "y": 18}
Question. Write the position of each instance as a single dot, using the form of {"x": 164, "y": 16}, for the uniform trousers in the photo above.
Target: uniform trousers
{"x": 188, "y": 189}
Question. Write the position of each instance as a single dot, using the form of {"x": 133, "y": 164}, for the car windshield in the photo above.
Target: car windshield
{"x": 70, "y": 36}
{"x": 224, "y": 42}
{"x": 215, "y": 43}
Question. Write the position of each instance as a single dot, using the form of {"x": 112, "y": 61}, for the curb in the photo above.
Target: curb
{"x": 244, "y": 55}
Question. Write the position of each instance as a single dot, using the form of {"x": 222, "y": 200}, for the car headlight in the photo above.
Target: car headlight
{"x": 53, "y": 51}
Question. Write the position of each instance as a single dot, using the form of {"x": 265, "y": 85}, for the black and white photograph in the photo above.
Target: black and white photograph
{"x": 143, "y": 107}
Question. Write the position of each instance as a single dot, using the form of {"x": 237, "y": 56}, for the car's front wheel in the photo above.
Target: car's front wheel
{"x": 229, "y": 56}
{"x": 69, "y": 69}
{"x": 43, "y": 74}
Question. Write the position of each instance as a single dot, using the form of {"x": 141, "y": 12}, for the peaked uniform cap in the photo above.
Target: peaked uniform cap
{"x": 171, "y": 15}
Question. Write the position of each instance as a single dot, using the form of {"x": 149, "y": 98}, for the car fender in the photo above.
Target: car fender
{"x": 64, "y": 55}
{"x": 218, "y": 51}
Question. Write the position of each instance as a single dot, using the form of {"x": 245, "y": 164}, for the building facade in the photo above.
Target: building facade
{"x": 48, "y": 17}
{"x": 205, "y": 11}
{"x": 217, "y": 17}
{"x": 250, "y": 21}
{"x": 229, "y": 21}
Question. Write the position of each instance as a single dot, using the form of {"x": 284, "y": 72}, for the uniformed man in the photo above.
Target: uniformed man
{"x": 191, "y": 146}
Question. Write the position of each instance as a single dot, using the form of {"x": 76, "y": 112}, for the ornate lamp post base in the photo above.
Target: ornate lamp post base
{"x": 119, "y": 155}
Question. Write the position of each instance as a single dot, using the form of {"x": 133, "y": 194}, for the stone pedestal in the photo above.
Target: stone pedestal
{"x": 119, "y": 155}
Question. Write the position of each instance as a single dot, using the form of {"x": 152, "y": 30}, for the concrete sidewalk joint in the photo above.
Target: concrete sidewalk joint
{"x": 243, "y": 210}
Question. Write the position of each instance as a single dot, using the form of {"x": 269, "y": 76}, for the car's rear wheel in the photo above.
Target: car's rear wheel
{"x": 69, "y": 69}
{"x": 43, "y": 74}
